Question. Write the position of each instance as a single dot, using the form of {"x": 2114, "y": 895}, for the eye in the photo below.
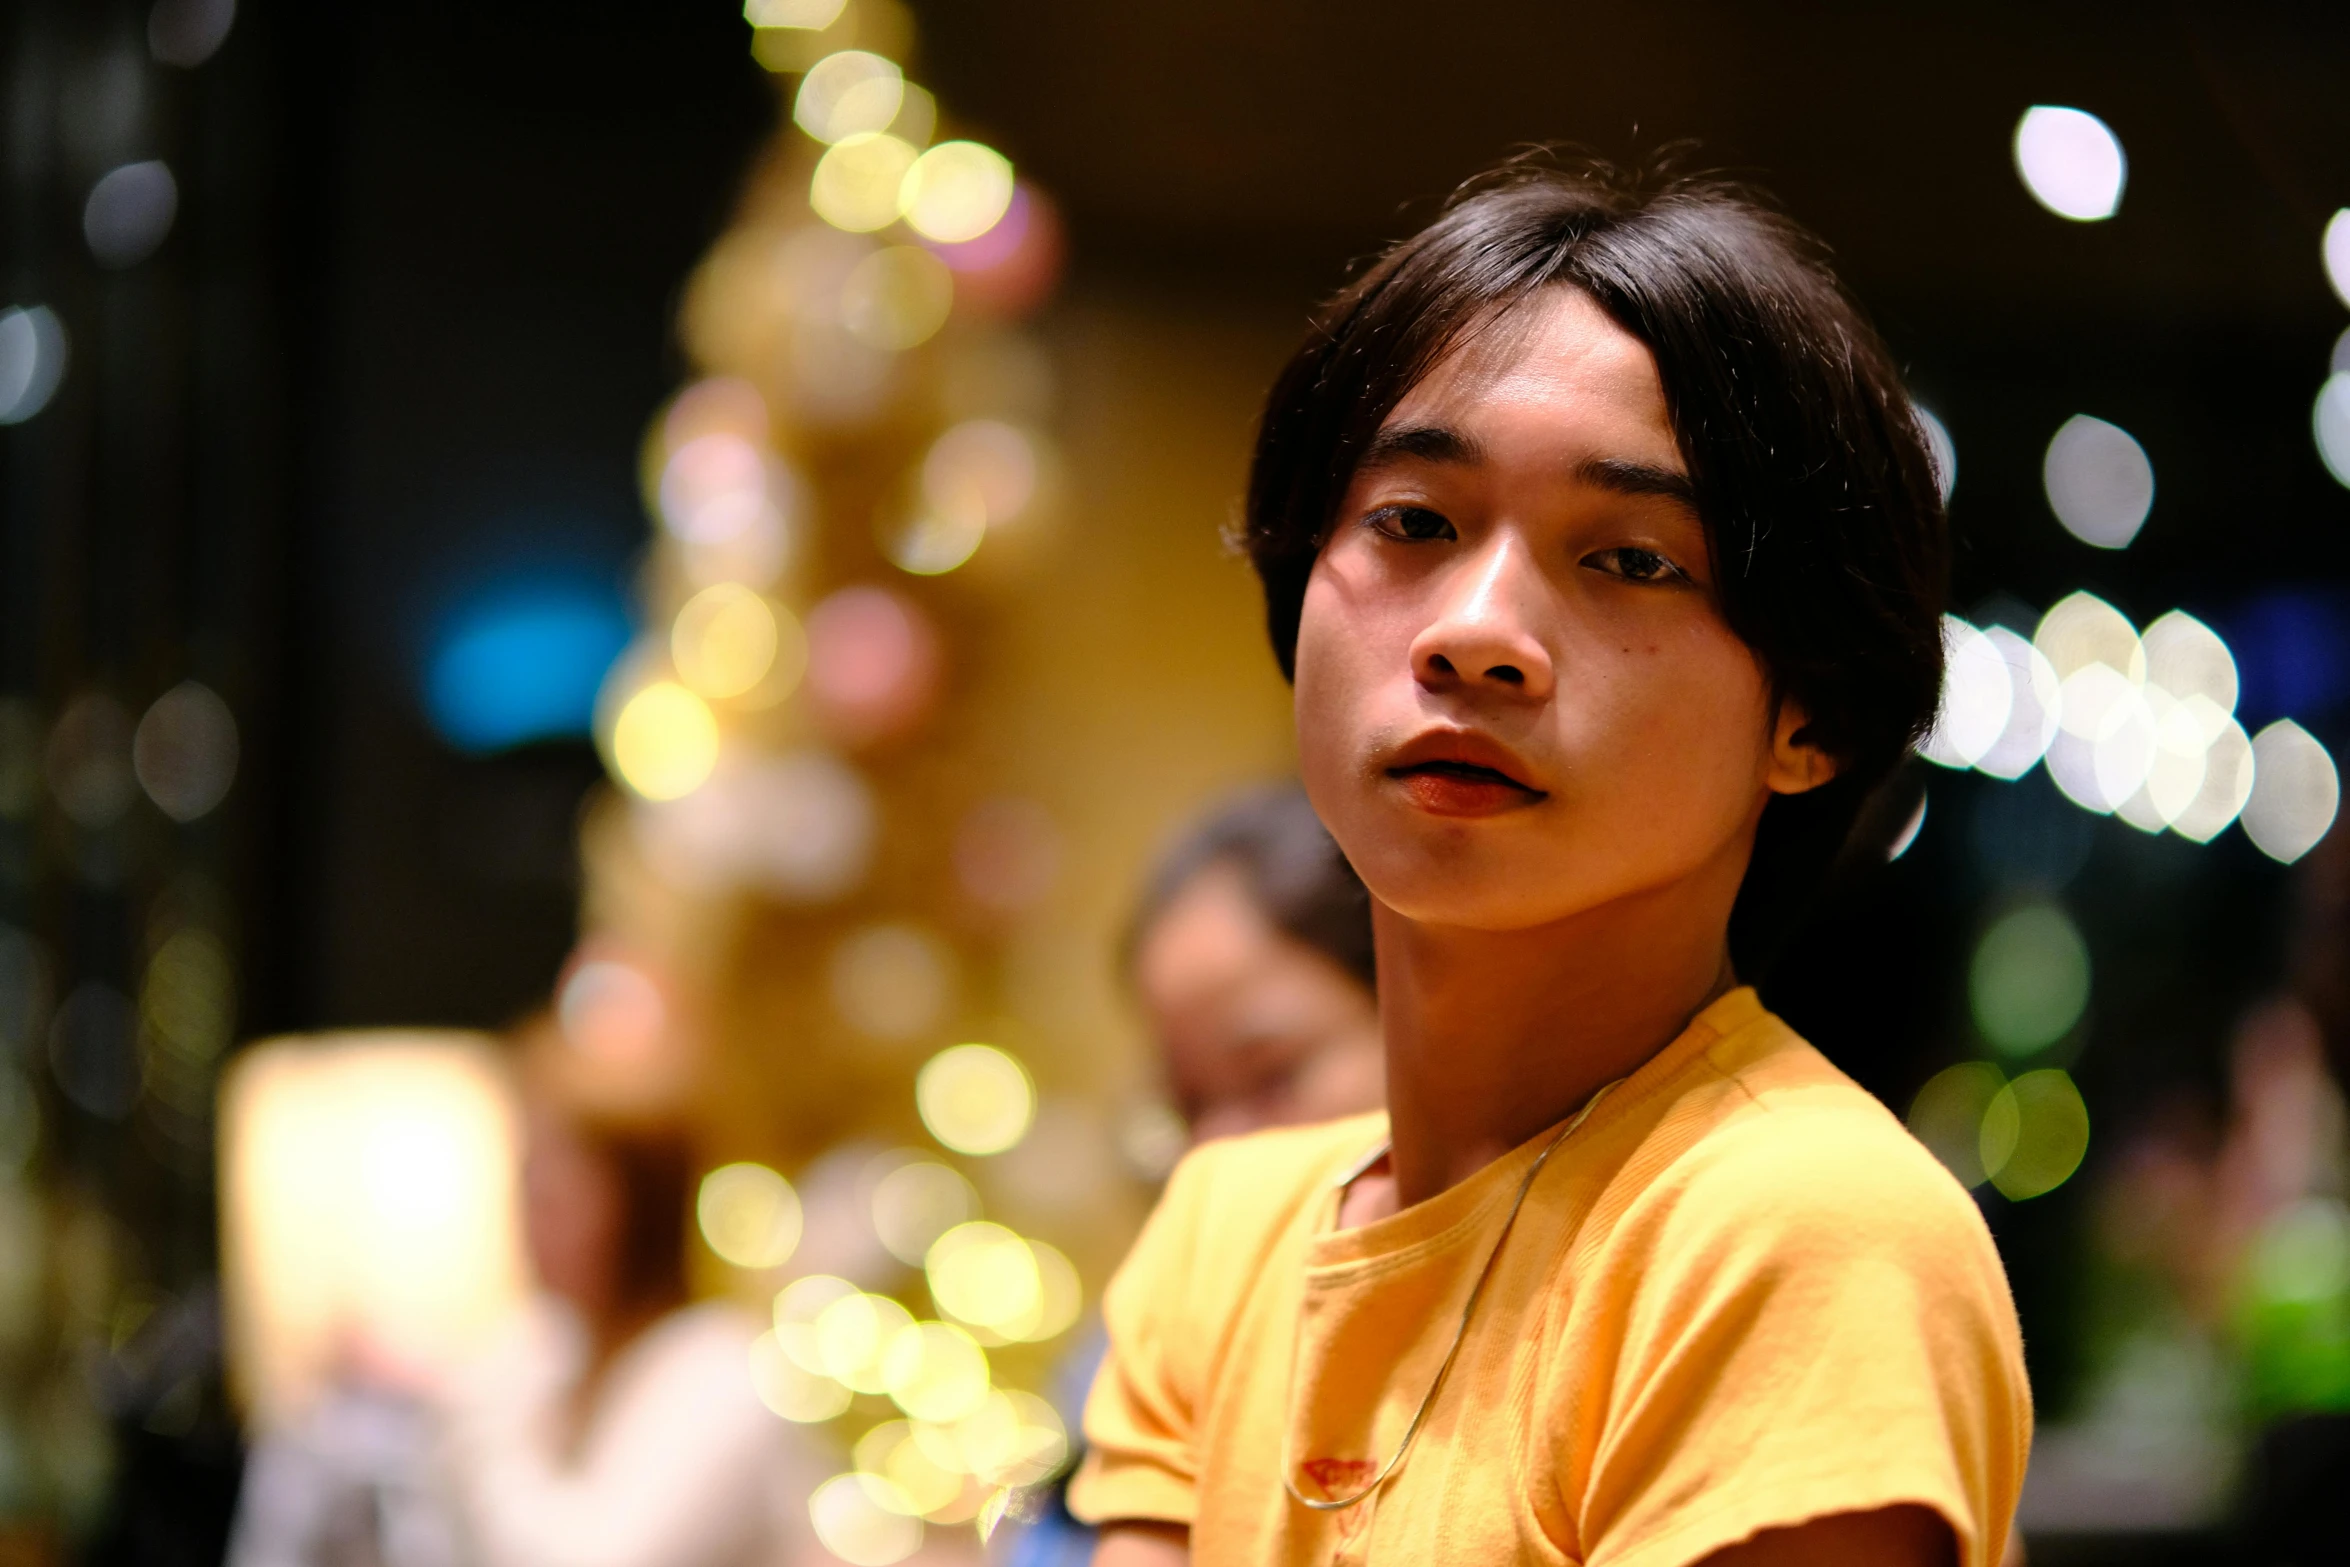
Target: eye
{"x": 1410, "y": 524}
{"x": 1635, "y": 564}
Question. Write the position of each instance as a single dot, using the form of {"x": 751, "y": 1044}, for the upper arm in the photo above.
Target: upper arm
{"x": 1904, "y": 1536}
{"x": 1143, "y": 1545}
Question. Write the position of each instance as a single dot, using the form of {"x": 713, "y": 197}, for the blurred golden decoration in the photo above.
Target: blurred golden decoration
{"x": 956, "y": 191}
{"x": 975, "y": 1099}
{"x": 749, "y": 1215}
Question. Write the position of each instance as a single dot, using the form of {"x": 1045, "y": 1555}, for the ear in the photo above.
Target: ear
{"x": 1798, "y": 765}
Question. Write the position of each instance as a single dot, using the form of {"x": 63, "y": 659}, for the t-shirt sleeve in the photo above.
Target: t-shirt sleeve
{"x": 1812, "y": 1320}
{"x": 1141, "y": 1433}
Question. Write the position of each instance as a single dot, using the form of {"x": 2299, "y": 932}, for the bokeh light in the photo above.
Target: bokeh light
{"x": 186, "y": 32}
{"x": 749, "y": 1215}
{"x": 1947, "y": 1116}
{"x": 981, "y": 467}
{"x": 856, "y": 183}
{"x": 956, "y": 191}
{"x": 2329, "y": 424}
{"x": 2099, "y": 481}
{"x": 864, "y": 1520}
{"x": 790, "y": 1389}
{"x": 797, "y": 1308}
{"x": 88, "y": 760}
{"x": 522, "y": 659}
{"x": 727, "y": 500}
{"x": 813, "y": 15}
{"x": 2295, "y": 792}
{"x": 975, "y": 1099}
{"x": 897, "y": 298}
{"x": 1007, "y": 854}
{"x": 2082, "y": 629}
{"x": 799, "y": 827}
{"x": 1908, "y": 835}
{"x": 32, "y": 361}
{"x": 848, "y": 94}
{"x": 2335, "y": 248}
{"x": 2029, "y": 981}
{"x": 984, "y": 1274}
{"x": 2035, "y": 1134}
{"x": 664, "y": 741}
{"x": 893, "y": 981}
{"x": 185, "y": 751}
{"x": 889, "y": 1452}
{"x": 129, "y": 212}
{"x": 2226, "y": 786}
{"x": 872, "y": 663}
{"x": 1978, "y": 694}
{"x": 2187, "y": 659}
{"x": 853, "y": 1334}
{"x": 2070, "y": 162}
{"x": 2033, "y": 707}
{"x": 935, "y": 1371}
{"x": 1939, "y": 448}
{"x": 612, "y": 1012}
{"x": 916, "y": 1203}
{"x": 727, "y": 639}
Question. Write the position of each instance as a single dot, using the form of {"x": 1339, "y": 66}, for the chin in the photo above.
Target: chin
{"x": 1468, "y": 876}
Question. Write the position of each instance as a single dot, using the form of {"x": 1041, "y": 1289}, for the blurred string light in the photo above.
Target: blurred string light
{"x": 2071, "y": 162}
{"x": 2336, "y": 250}
{"x": 1001, "y": 1284}
{"x": 798, "y": 826}
{"x": 851, "y": 93}
{"x": 185, "y": 751}
{"x": 1940, "y": 449}
{"x": 2329, "y": 423}
{"x": 728, "y": 639}
{"x": 897, "y": 298}
{"x": 864, "y": 1520}
{"x": 129, "y": 212}
{"x": 2099, "y": 482}
{"x": 856, "y": 183}
{"x": 975, "y": 1099}
{"x": 813, "y": 15}
{"x": 791, "y": 1390}
{"x": 2025, "y": 1137}
{"x": 730, "y": 504}
{"x": 873, "y": 663}
{"x": 2029, "y": 981}
{"x": 522, "y": 661}
{"x": 2139, "y": 727}
{"x": 977, "y": 475}
{"x": 956, "y": 192}
{"x": 749, "y": 1215}
{"x": 32, "y": 361}
{"x": 893, "y": 981}
{"x": 916, "y": 1203}
{"x": 664, "y": 742}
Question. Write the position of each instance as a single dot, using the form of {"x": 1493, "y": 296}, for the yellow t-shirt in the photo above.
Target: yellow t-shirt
{"x": 1740, "y": 1296}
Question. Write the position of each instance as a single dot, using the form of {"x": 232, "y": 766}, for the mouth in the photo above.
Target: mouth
{"x": 1461, "y": 776}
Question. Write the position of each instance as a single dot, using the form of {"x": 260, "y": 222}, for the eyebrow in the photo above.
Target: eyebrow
{"x": 1438, "y": 443}
{"x": 1626, "y": 477}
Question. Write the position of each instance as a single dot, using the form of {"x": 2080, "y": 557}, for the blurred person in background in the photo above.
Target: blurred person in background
{"x": 618, "y": 1426}
{"x": 1250, "y": 957}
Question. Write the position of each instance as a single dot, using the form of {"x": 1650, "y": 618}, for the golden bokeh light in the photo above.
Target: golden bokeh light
{"x": 921, "y": 1485}
{"x": 855, "y": 186}
{"x": 726, "y": 639}
{"x": 2081, "y": 629}
{"x": 914, "y": 1204}
{"x": 933, "y": 543}
{"x": 986, "y": 1275}
{"x": 981, "y": 467}
{"x": 975, "y": 1099}
{"x": 813, "y": 15}
{"x": 851, "y": 93}
{"x": 2035, "y": 1134}
{"x": 864, "y": 1520}
{"x": 664, "y": 742}
{"x": 897, "y": 298}
{"x": 955, "y": 192}
{"x": 790, "y": 1389}
{"x": 749, "y": 1215}
{"x": 852, "y": 1335}
{"x": 935, "y": 1371}
{"x": 797, "y": 1307}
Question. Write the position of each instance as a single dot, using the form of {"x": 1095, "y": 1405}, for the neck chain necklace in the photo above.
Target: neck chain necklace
{"x": 1459, "y": 1333}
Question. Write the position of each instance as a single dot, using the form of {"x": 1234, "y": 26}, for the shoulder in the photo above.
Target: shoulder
{"x": 1229, "y": 1201}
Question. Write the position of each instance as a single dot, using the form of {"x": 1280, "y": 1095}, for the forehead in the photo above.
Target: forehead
{"x": 1555, "y": 370}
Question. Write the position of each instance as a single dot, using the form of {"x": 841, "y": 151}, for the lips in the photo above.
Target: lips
{"x": 1458, "y": 773}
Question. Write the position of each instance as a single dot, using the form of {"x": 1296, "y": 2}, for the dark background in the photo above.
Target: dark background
{"x": 417, "y": 310}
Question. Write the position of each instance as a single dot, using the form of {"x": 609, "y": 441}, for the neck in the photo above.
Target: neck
{"x": 1493, "y": 1035}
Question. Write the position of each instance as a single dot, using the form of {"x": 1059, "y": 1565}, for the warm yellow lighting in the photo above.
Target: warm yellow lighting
{"x": 915, "y": 1204}
{"x": 811, "y": 14}
{"x": 893, "y": 981}
{"x": 725, "y": 640}
{"x": 935, "y": 1371}
{"x": 367, "y": 1197}
{"x": 856, "y": 183}
{"x": 664, "y": 743}
{"x": 956, "y": 191}
{"x": 1947, "y": 1116}
{"x": 890, "y": 1452}
{"x": 917, "y": 117}
{"x": 985, "y": 1275}
{"x": 1011, "y": 1439}
{"x": 897, "y": 298}
{"x": 851, "y": 1336}
{"x": 749, "y": 1215}
{"x": 848, "y": 94}
{"x": 975, "y": 1099}
{"x": 865, "y": 1520}
{"x": 982, "y": 467}
{"x": 798, "y": 1305}
{"x": 933, "y": 543}
{"x": 790, "y": 1389}
{"x": 2035, "y": 1134}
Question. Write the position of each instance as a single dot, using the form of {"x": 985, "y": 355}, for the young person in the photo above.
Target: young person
{"x": 1604, "y": 552}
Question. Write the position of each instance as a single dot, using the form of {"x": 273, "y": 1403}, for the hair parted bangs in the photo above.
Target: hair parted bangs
{"x": 1818, "y": 497}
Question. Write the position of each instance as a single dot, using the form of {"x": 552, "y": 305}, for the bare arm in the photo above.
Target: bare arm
{"x": 1143, "y": 1545}
{"x": 1906, "y": 1536}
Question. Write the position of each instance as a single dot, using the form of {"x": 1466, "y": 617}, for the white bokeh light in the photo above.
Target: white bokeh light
{"x": 2337, "y": 254}
{"x": 32, "y": 361}
{"x": 1939, "y": 448}
{"x": 2071, "y": 162}
{"x": 2295, "y": 792}
{"x": 2033, "y": 707}
{"x": 2099, "y": 481}
{"x": 1977, "y": 693}
{"x": 2329, "y": 422}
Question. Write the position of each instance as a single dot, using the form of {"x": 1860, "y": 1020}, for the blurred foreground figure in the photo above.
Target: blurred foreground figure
{"x": 618, "y": 1426}
{"x": 1250, "y": 954}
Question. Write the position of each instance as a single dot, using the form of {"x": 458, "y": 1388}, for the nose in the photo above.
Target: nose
{"x": 1482, "y": 636}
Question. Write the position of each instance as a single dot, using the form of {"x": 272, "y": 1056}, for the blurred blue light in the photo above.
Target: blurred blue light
{"x": 2292, "y": 650}
{"x": 523, "y": 662}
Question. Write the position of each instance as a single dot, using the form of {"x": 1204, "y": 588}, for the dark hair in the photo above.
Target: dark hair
{"x": 1290, "y": 866}
{"x": 1812, "y": 476}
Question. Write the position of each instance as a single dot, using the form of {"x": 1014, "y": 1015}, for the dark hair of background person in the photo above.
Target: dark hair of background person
{"x": 1291, "y": 868}
{"x": 1813, "y": 480}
